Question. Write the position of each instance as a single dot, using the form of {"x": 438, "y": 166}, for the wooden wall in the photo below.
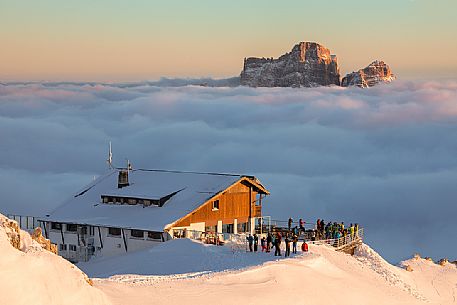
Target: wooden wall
{"x": 233, "y": 203}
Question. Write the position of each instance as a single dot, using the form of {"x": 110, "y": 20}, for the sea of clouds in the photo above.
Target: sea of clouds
{"x": 385, "y": 157}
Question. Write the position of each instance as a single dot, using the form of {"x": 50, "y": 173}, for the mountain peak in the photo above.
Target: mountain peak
{"x": 308, "y": 64}
{"x": 376, "y": 72}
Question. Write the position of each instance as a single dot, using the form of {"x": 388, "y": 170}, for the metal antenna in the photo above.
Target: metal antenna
{"x": 110, "y": 157}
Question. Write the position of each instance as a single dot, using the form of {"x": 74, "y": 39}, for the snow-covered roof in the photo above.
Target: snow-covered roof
{"x": 85, "y": 206}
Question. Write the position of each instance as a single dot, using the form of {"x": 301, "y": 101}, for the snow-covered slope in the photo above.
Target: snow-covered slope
{"x": 321, "y": 276}
{"x": 35, "y": 276}
{"x": 176, "y": 257}
{"x": 187, "y": 272}
{"x": 434, "y": 281}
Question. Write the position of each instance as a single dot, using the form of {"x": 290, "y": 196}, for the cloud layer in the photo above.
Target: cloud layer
{"x": 385, "y": 157}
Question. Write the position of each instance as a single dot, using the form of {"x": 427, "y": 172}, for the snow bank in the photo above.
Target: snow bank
{"x": 433, "y": 280}
{"x": 322, "y": 276}
{"x": 31, "y": 275}
{"x": 393, "y": 275}
{"x": 186, "y": 272}
{"x": 176, "y": 256}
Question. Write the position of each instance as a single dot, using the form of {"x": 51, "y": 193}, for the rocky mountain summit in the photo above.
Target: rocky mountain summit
{"x": 375, "y": 73}
{"x": 309, "y": 64}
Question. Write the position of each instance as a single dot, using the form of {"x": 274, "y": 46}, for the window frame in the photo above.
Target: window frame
{"x": 211, "y": 229}
{"x": 242, "y": 227}
{"x": 71, "y": 225}
{"x": 216, "y": 205}
{"x": 56, "y": 226}
{"x": 228, "y": 228}
{"x": 136, "y": 231}
{"x": 114, "y": 235}
{"x": 150, "y": 233}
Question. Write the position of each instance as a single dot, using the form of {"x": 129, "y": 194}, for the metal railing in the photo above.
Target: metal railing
{"x": 285, "y": 224}
{"x": 342, "y": 242}
{"x": 26, "y": 223}
{"x": 240, "y": 241}
{"x": 209, "y": 237}
{"x": 237, "y": 241}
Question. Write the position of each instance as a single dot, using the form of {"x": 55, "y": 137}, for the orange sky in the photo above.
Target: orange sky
{"x": 116, "y": 41}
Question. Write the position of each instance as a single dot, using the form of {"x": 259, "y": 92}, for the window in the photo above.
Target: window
{"x": 137, "y": 233}
{"x": 242, "y": 227}
{"x": 72, "y": 227}
{"x": 114, "y": 231}
{"x": 211, "y": 229}
{"x": 155, "y": 235}
{"x": 72, "y": 247}
{"x": 227, "y": 228}
{"x": 215, "y": 205}
{"x": 258, "y": 201}
{"x": 62, "y": 247}
{"x": 83, "y": 230}
{"x": 56, "y": 226}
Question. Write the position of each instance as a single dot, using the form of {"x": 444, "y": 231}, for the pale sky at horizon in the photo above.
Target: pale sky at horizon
{"x": 103, "y": 40}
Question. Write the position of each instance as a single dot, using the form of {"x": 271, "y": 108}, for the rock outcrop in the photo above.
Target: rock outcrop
{"x": 23, "y": 241}
{"x": 309, "y": 64}
{"x": 375, "y": 73}
{"x": 46, "y": 244}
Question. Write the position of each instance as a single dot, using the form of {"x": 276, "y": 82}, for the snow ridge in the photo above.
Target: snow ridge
{"x": 393, "y": 275}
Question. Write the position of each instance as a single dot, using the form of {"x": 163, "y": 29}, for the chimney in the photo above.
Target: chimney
{"x": 123, "y": 178}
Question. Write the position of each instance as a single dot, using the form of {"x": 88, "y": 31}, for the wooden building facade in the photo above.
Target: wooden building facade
{"x": 233, "y": 210}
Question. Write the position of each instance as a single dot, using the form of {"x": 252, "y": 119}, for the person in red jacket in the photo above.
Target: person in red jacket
{"x": 304, "y": 247}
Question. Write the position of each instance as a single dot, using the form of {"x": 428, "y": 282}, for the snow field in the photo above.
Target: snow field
{"x": 187, "y": 272}
{"x": 320, "y": 276}
{"x": 36, "y": 276}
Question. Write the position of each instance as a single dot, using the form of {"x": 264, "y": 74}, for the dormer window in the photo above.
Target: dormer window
{"x": 215, "y": 205}
{"x": 129, "y": 201}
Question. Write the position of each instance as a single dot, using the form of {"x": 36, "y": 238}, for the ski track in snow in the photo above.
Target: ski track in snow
{"x": 433, "y": 283}
{"x": 146, "y": 280}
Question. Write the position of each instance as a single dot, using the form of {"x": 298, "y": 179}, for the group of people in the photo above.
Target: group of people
{"x": 330, "y": 230}
{"x": 335, "y": 230}
{"x": 274, "y": 240}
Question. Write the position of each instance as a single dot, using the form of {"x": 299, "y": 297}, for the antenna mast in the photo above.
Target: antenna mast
{"x": 110, "y": 157}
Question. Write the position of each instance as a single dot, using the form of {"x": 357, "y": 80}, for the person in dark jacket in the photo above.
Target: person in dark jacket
{"x": 250, "y": 240}
{"x": 322, "y": 229}
{"x": 294, "y": 244}
{"x": 287, "y": 240}
{"x": 302, "y": 225}
{"x": 278, "y": 244}
{"x": 269, "y": 240}
{"x": 256, "y": 242}
{"x": 289, "y": 223}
